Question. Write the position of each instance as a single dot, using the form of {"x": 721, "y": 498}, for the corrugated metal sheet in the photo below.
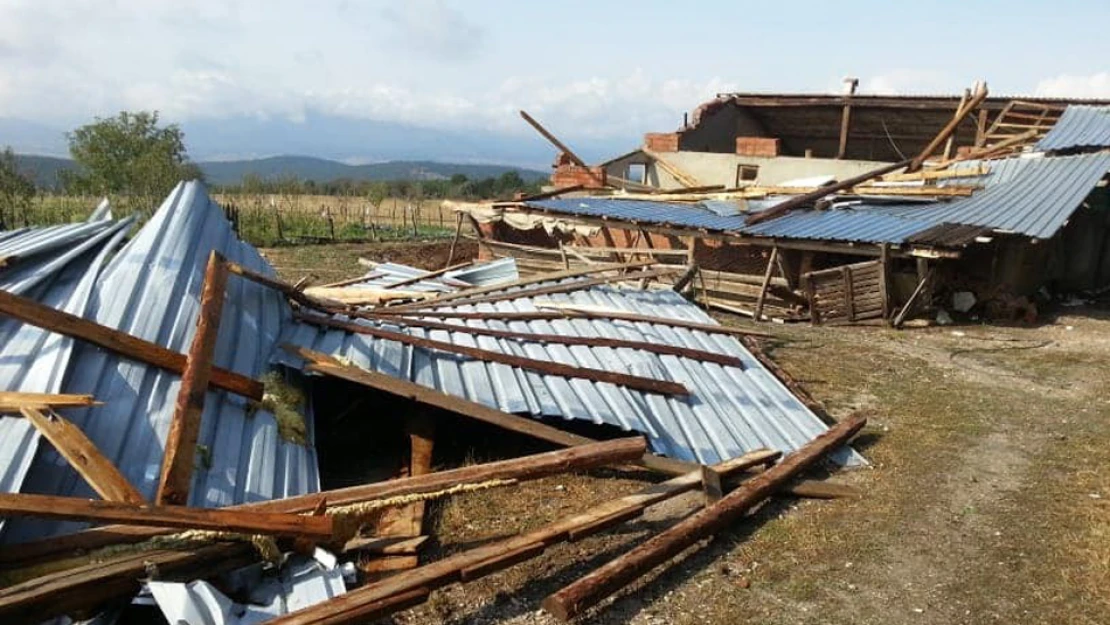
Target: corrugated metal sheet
{"x": 1030, "y": 196}
{"x": 302, "y": 582}
{"x": 151, "y": 290}
{"x": 485, "y": 274}
{"x": 845, "y": 224}
{"x": 1079, "y": 127}
{"x": 646, "y": 211}
{"x": 730, "y": 410}
{"x": 32, "y": 360}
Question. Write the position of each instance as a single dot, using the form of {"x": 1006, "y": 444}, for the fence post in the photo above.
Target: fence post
{"x": 277, "y": 217}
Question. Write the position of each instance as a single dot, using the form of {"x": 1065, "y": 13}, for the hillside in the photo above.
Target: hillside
{"x": 45, "y": 170}
{"x": 323, "y": 170}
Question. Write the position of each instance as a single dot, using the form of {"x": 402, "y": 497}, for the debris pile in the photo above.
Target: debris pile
{"x": 175, "y": 380}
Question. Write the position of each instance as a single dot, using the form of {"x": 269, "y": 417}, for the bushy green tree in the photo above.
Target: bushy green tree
{"x": 131, "y": 154}
{"x": 17, "y": 191}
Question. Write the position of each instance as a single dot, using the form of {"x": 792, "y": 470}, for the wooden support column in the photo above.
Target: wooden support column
{"x": 981, "y": 128}
{"x": 131, "y": 347}
{"x": 455, "y": 240}
{"x": 181, "y": 442}
{"x": 772, "y": 262}
{"x": 83, "y": 456}
{"x": 884, "y": 278}
{"x": 952, "y": 138}
{"x": 846, "y": 118}
{"x": 949, "y": 128}
{"x": 626, "y": 568}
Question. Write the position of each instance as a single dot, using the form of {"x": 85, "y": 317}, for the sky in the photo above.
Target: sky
{"x": 588, "y": 70}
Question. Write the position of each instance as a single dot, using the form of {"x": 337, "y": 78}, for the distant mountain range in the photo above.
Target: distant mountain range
{"x": 339, "y": 138}
{"x": 46, "y": 170}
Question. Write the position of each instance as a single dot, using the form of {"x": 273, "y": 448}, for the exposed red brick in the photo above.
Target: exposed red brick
{"x": 757, "y": 146}
{"x": 661, "y": 141}
{"x": 570, "y": 175}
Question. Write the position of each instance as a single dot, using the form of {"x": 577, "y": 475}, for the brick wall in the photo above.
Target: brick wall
{"x": 661, "y": 141}
{"x": 757, "y": 146}
{"x": 569, "y": 175}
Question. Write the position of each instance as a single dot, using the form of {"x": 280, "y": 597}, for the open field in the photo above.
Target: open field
{"x": 267, "y": 220}
{"x": 988, "y": 499}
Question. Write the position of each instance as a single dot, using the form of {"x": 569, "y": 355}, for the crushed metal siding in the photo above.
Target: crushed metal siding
{"x": 301, "y": 583}
{"x": 33, "y": 360}
{"x": 647, "y": 211}
{"x": 385, "y": 275}
{"x": 730, "y": 410}
{"x": 842, "y": 224}
{"x": 151, "y": 290}
{"x": 1079, "y": 127}
{"x": 1030, "y": 196}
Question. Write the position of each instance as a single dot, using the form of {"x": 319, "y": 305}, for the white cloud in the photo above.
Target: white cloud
{"x": 433, "y": 28}
{"x": 906, "y": 81}
{"x": 1073, "y": 86}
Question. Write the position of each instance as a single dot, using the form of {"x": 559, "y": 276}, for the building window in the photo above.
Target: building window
{"x": 637, "y": 172}
{"x": 746, "y": 173}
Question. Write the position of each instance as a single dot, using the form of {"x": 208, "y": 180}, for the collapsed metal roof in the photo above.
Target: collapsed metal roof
{"x": 1030, "y": 196}
{"x": 42, "y": 267}
{"x": 151, "y": 290}
{"x": 1079, "y": 127}
{"x": 730, "y": 410}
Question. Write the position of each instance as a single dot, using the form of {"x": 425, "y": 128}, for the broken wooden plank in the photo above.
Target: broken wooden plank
{"x": 806, "y": 198}
{"x": 949, "y": 128}
{"x": 562, "y": 339}
{"x": 620, "y": 315}
{"x": 181, "y": 442}
{"x": 385, "y": 545}
{"x": 535, "y": 466}
{"x": 563, "y": 287}
{"x": 771, "y": 265}
{"x": 83, "y": 455}
{"x": 583, "y": 594}
{"x": 78, "y": 590}
{"x": 352, "y": 606}
{"x": 363, "y": 296}
{"x": 285, "y": 288}
{"x": 14, "y": 401}
{"x": 524, "y": 282}
{"x": 428, "y": 275}
{"x": 554, "y": 141}
{"x": 650, "y": 385}
{"x": 217, "y": 519}
{"x": 324, "y": 364}
{"x": 131, "y": 347}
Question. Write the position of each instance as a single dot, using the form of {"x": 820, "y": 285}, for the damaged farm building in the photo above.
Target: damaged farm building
{"x": 835, "y": 209}
{"x": 187, "y": 437}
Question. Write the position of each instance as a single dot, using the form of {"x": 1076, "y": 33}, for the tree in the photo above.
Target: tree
{"x": 16, "y": 190}
{"x": 130, "y": 154}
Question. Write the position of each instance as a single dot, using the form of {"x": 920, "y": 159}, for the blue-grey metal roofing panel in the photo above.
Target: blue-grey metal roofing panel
{"x": 33, "y": 360}
{"x": 843, "y": 224}
{"x": 151, "y": 290}
{"x": 646, "y": 211}
{"x": 1030, "y": 196}
{"x": 1080, "y": 126}
{"x": 730, "y": 410}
